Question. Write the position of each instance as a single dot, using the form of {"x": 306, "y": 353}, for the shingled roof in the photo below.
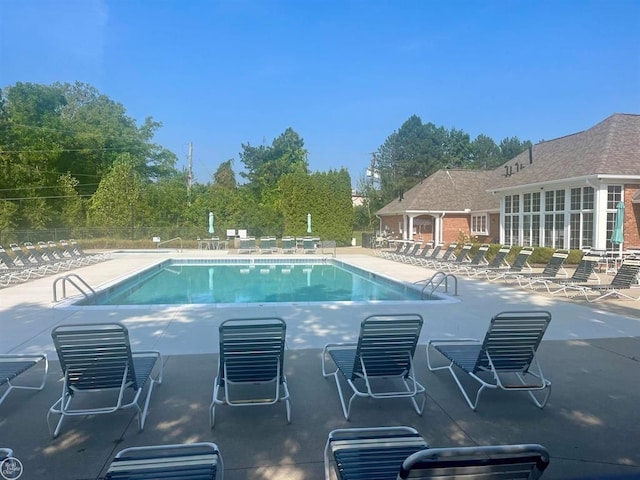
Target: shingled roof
{"x": 612, "y": 147}
{"x": 447, "y": 191}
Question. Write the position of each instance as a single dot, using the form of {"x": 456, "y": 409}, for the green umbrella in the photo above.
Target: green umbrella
{"x": 616, "y": 236}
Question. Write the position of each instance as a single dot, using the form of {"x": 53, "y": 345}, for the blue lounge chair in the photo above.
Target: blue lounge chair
{"x": 251, "y": 353}
{"x": 193, "y": 461}
{"x": 520, "y": 265}
{"x": 288, "y": 245}
{"x": 498, "y": 262}
{"x": 14, "y": 365}
{"x": 619, "y": 286}
{"x": 584, "y": 272}
{"x": 508, "y": 349}
{"x": 385, "y": 350}
{"x": 551, "y": 269}
{"x": 96, "y": 358}
{"x": 495, "y": 462}
{"x": 370, "y": 453}
{"x": 309, "y": 245}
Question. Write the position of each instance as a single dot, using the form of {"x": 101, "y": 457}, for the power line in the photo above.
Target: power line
{"x": 47, "y": 197}
{"x": 105, "y": 149}
{"x": 44, "y": 187}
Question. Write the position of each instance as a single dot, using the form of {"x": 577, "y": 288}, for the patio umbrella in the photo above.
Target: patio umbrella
{"x": 308, "y": 223}
{"x": 617, "y": 237}
{"x": 211, "y": 223}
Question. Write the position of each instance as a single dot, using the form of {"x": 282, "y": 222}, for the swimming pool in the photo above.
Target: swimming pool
{"x": 252, "y": 281}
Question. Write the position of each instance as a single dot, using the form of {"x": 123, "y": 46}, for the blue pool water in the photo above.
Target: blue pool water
{"x": 230, "y": 282}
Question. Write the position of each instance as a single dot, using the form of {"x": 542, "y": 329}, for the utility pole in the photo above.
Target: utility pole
{"x": 189, "y": 174}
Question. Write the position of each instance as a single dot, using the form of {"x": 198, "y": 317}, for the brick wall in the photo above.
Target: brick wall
{"x": 631, "y": 226}
{"x": 453, "y": 225}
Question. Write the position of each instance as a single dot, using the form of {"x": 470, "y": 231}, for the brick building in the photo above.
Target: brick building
{"x": 560, "y": 193}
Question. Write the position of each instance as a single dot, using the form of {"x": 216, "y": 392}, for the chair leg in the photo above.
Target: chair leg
{"x": 214, "y": 401}
{"x": 142, "y": 414}
{"x": 58, "y": 408}
{"x": 346, "y": 411}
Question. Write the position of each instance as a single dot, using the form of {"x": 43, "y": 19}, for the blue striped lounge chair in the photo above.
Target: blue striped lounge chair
{"x": 97, "y": 358}
{"x": 369, "y": 453}
{"x": 494, "y": 462}
{"x": 194, "y": 461}
{"x": 13, "y": 366}
{"x": 251, "y": 354}
{"x": 505, "y": 359}
{"x": 619, "y": 287}
{"x": 385, "y": 350}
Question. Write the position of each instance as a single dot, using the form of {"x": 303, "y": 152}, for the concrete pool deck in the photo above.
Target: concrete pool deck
{"x": 590, "y": 354}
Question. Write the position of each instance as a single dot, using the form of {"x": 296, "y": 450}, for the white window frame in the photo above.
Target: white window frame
{"x": 483, "y": 220}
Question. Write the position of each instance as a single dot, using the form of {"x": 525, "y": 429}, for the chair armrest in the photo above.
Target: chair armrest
{"x": 20, "y": 356}
{"x": 452, "y": 340}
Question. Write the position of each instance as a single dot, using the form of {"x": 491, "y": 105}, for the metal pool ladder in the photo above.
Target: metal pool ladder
{"x": 438, "y": 279}
{"x": 69, "y": 278}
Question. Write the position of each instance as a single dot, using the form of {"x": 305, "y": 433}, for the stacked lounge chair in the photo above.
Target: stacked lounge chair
{"x": 400, "y": 452}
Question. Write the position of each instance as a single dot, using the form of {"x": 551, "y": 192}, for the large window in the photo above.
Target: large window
{"x": 531, "y": 219}
{"x": 554, "y": 218}
{"x": 512, "y": 220}
{"x": 581, "y": 217}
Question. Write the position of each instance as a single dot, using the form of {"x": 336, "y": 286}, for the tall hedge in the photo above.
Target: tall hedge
{"x": 326, "y": 196}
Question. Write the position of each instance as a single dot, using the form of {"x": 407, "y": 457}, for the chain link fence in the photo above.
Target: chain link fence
{"x": 103, "y": 235}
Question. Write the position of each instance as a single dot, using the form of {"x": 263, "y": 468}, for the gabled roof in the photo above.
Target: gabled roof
{"x": 447, "y": 191}
{"x": 612, "y": 147}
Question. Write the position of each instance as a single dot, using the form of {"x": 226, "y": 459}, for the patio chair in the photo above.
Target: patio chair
{"x": 404, "y": 247}
{"x": 247, "y": 245}
{"x": 621, "y": 282}
{"x": 395, "y": 248}
{"x": 58, "y": 254}
{"x": 251, "y": 354}
{"x": 455, "y": 260}
{"x": 583, "y": 273}
{"x": 288, "y": 245}
{"x": 476, "y": 261}
{"x": 384, "y": 351}
{"x": 27, "y": 263}
{"x": 268, "y": 245}
{"x": 424, "y": 253}
{"x": 95, "y": 358}
{"x": 433, "y": 262}
{"x": 509, "y": 349}
{"x": 411, "y": 253}
{"x": 194, "y": 461}
{"x": 551, "y": 269}
{"x": 14, "y": 365}
{"x": 370, "y": 453}
{"x": 484, "y": 462}
{"x": 52, "y": 266}
{"x": 68, "y": 251}
{"x": 499, "y": 262}
{"x": 10, "y": 271}
{"x": 309, "y": 245}
{"x": 520, "y": 265}
{"x": 95, "y": 257}
{"x": 424, "y": 261}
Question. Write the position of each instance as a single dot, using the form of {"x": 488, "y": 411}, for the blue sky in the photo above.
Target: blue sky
{"x": 343, "y": 74}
